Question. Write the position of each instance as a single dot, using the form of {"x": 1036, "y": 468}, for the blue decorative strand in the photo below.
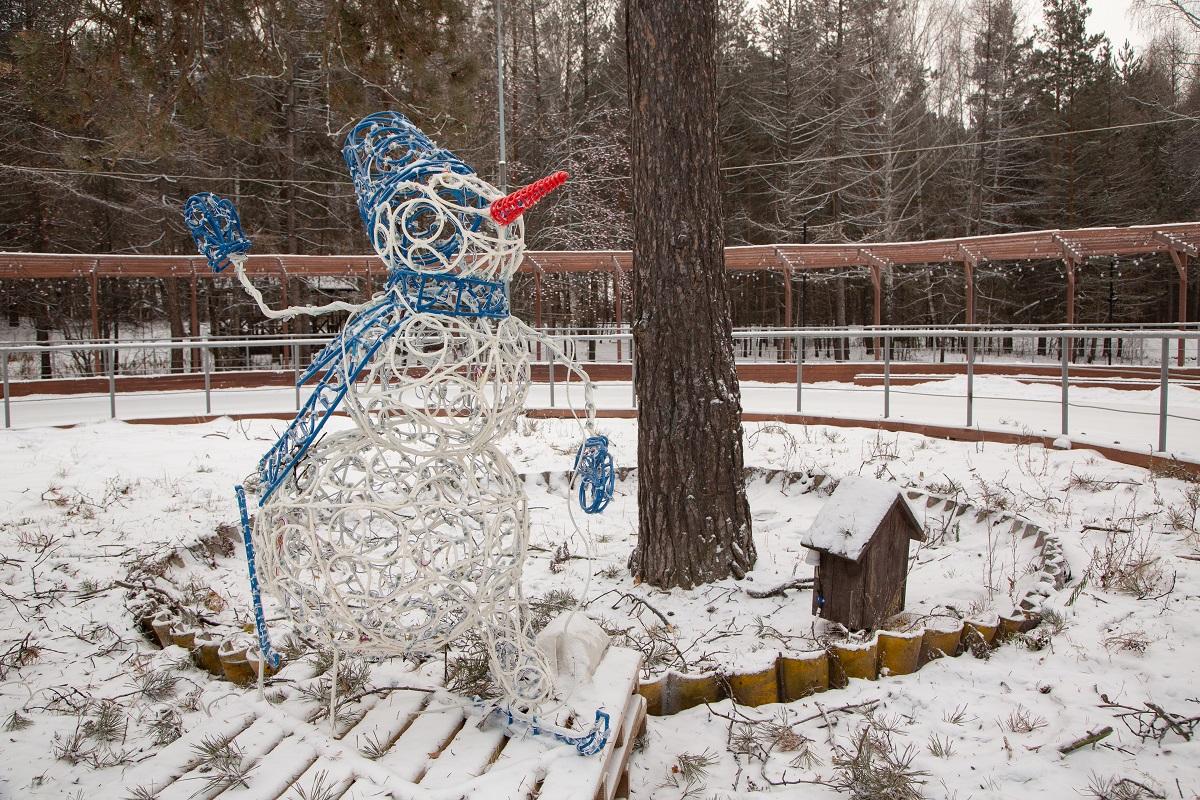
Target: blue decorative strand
{"x": 451, "y": 295}
{"x": 349, "y": 353}
{"x": 260, "y": 621}
{"x": 386, "y": 154}
{"x": 216, "y": 229}
{"x": 586, "y": 744}
{"x": 361, "y": 321}
{"x": 597, "y": 477}
{"x": 304, "y": 428}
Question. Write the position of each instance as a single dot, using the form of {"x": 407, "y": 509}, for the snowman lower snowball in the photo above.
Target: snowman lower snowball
{"x": 402, "y": 533}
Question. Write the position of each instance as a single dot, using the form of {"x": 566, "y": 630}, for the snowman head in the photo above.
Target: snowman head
{"x": 427, "y": 212}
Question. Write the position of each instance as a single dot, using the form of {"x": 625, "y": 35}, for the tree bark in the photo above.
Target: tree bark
{"x": 694, "y": 521}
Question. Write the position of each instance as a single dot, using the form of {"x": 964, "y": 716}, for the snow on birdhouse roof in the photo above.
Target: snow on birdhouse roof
{"x": 845, "y": 524}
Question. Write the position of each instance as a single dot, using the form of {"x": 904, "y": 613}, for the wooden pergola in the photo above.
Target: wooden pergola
{"x": 1072, "y": 247}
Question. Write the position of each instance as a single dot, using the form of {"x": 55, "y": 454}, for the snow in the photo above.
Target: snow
{"x": 850, "y": 516}
{"x": 91, "y": 505}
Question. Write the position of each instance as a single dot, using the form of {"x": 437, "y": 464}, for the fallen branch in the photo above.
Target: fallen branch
{"x": 1152, "y": 721}
{"x": 1082, "y": 742}
{"x": 781, "y": 589}
{"x": 636, "y": 599}
{"x": 1149, "y": 792}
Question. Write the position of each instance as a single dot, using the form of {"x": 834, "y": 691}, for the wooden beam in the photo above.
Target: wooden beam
{"x": 1071, "y": 250}
{"x": 1175, "y": 242}
{"x": 872, "y": 260}
{"x": 1028, "y": 245}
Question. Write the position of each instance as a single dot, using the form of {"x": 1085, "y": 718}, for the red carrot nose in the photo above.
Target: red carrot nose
{"x": 508, "y": 208}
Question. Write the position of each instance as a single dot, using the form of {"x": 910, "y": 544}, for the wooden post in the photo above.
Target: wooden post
{"x": 1070, "y": 265}
{"x": 617, "y": 308}
{"x": 970, "y": 261}
{"x": 537, "y": 305}
{"x": 283, "y": 301}
{"x": 1072, "y": 256}
{"x": 195, "y": 320}
{"x": 95, "y": 302}
{"x": 787, "y": 313}
{"x": 877, "y": 307}
{"x": 969, "y": 274}
{"x": 1181, "y": 264}
{"x": 877, "y": 265}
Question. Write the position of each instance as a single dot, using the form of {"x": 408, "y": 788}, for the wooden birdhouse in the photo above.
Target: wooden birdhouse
{"x": 860, "y": 546}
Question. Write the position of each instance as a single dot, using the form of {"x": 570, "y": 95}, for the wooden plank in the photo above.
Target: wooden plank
{"x": 468, "y": 754}
{"x": 616, "y": 771}
{"x": 255, "y": 743}
{"x": 614, "y": 682}
{"x": 363, "y": 789}
{"x": 381, "y": 728}
{"x": 179, "y": 757}
{"x": 424, "y": 739}
{"x": 615, "y": 679}
{"x": 386, "y": 720}
{"x": 319, "y": 781}
{"x": 275, "y": 773}
{"x": 517, "y": 784}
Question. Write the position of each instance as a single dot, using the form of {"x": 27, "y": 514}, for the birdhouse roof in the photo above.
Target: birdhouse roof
{"x": 853, "y": 514}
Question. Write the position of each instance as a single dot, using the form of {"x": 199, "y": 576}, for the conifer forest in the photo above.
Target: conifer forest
{"x": 840, "y": 121}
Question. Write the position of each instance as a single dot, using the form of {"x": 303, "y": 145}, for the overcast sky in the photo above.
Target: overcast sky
{"x": 1108, "y": 16}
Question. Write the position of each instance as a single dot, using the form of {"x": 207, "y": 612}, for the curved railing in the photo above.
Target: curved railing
{"x": 1132, "y": 388}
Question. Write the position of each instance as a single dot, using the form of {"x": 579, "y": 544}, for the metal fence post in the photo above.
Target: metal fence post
{"x": 296, "y": 371}
{"x": 887, "y": 376}
{"x": 1162, "y": 395}
{"x": 4, "y": 378}
{"x": 970, "y": 380}
{"x": 799, "y": 369}
{"x": 112, "y": 380}
{"x": 550, "y": 367}
{"x": 206, "y": 360}
{"x": 1064, "y": 344}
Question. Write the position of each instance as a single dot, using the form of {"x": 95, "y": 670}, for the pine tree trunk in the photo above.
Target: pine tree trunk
{"x": 694, "y": 521}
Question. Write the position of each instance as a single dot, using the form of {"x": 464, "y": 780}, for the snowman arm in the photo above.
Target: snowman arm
{"x": 239, "y": 261}
{"x": 589, "y": 387}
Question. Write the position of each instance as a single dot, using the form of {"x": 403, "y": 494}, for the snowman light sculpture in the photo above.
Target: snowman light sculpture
{"x": 408, "y": 530}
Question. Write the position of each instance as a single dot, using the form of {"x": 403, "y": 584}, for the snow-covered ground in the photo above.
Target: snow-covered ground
{"x": 89, "y": 506}
{"x": 1126, "y": 418}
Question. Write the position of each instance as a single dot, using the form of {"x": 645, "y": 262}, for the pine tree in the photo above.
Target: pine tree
{"x": 693, "y": 518}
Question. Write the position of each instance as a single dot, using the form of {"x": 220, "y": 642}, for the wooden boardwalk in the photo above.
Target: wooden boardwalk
{"x": 397, "y": 745}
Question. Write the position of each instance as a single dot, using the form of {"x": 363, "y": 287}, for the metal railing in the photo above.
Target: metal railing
{"x": 791, "y": 346}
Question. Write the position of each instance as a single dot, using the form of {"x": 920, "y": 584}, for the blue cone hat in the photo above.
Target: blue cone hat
{"x": 384, "y": 151}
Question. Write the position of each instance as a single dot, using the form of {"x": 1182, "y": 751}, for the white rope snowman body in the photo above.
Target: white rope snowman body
{"x": 401, "y": 534}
